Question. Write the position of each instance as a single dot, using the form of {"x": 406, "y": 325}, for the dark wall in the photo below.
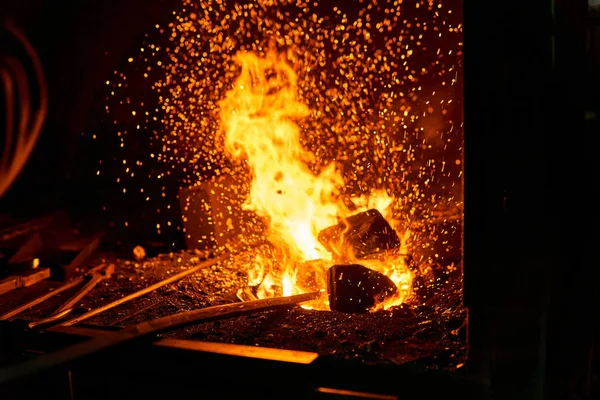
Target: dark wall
{"x": 573, "y": 322}
{"x": 531, "y": 189}
{"x": 80, "y": 42}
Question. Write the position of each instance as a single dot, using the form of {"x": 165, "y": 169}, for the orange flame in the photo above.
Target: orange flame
{"x": 259, "y": 117}
{"x": 258, "y": 114}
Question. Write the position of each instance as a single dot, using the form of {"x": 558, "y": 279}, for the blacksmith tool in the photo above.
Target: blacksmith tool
{"x": 146, "y": 290}
{"x": 147, "y": 329}
{"x": 96, "y": 275}
{"x": 41, "y": 299}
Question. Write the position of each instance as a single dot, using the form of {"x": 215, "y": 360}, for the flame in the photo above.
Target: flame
{"x": 288, "y": 282}
{"x": 266, "y": 287}
{"x": 256, "y": 273}
{"x": 259, "y": 118}
{"x": 378, "y": 199}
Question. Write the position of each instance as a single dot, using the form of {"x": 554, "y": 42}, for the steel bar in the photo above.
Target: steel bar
{"x": 144, "y": 291}
{"x": 145, "y": 329}
{"x": 41, "y": 299}
{"x": 215, "y": 312}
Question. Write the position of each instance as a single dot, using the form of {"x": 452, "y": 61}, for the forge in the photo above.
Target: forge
{"x": 315, "y": 148}
{"x": 279, "y": 198}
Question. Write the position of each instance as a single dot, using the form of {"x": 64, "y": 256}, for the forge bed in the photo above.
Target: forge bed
{"x": 431, "y": 334}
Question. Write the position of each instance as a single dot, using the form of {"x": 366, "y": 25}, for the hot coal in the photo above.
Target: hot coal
{"x": 360, "y": 236}
{"x": 356, "y": 289}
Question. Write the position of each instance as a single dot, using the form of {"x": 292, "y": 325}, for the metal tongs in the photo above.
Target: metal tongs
{"x": 96, "y": 275}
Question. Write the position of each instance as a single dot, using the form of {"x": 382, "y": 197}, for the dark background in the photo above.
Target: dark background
{"x": 80, "y": 42}
{"x": 531, "y": 190}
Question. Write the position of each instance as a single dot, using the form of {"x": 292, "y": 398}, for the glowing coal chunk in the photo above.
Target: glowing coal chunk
{"x": 360, "y": 236}
{"x": 357, "y": 289}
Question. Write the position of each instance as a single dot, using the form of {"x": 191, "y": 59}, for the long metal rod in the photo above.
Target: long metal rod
{"x": 145, "y": 329}
{"x": 41, "y": 299}
{"x": 144, "y": 291}
{"x": 215, "y": 312}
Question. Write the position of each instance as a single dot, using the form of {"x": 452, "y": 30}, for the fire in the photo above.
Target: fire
{"x": 259, "y": 117}
{"x": 376, "y": 90}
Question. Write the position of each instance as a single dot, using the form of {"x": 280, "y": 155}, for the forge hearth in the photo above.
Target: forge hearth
{"x": 313, "y": 152}
{"x": 397, "y": 336}
{"x": 264, "y": 123}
